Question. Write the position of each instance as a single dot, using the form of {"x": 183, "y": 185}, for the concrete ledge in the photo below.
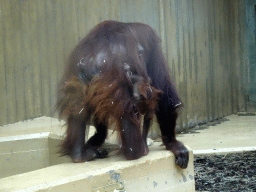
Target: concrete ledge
{"x": 154, "y": 172}
{"x": 246, "y": 113}
{"x": 223, "y": 150}
{"x": 29, "y": 163}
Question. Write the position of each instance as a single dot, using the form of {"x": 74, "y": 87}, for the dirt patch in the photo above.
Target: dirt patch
{"x": 230, "y": 172}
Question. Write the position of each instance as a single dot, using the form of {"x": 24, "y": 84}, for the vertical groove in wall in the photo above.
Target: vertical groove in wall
{"x": 27, "y": 64}
{"x": 243, "y": 59}
{"x": 211, "y": 61}
{"x": 9, "y": 30}
{"x": 3, "y": 92}
{"x": 232, "y": 61}
{"x": 162, "y": 26}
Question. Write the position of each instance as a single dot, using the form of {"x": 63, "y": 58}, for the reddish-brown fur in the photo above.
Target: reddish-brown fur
{"x": 118, "y": 72}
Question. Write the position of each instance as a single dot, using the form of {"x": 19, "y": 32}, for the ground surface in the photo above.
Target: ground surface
{"x": 231, "y": 172}
{"x": 229, "y": 132}
{"x": 235, "y": 172}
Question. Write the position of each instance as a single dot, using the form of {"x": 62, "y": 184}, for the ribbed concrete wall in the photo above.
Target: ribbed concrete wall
{"x": 203, "y": 42}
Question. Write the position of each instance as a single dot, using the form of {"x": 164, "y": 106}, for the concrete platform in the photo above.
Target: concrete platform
{"x": 232, "y": 133}
{"x": 155, "y": 172}
{"x": 229, "y": 132}
{"x": 29, "y": 162}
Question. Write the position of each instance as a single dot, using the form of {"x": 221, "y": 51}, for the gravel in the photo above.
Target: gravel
{"x": 229, "y": 172}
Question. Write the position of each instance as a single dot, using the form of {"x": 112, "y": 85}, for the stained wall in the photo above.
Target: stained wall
{"x": 203, "y": 42}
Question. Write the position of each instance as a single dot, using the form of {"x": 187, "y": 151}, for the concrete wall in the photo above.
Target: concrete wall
{"x": 251, "y": 45}
{"x": 203, "y": 41}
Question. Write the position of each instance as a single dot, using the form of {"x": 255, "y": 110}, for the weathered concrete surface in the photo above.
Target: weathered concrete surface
{"x": 230, "y": 132}
{"x": 24, "y": 153}
{"x": 37, "y": 125}
{"x": 235, "y": 132}
{"x": 31, "y": 146}
{"x": 154, "y": 172}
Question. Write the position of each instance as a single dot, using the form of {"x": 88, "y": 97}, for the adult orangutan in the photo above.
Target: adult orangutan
{"x": 118, "y": 73}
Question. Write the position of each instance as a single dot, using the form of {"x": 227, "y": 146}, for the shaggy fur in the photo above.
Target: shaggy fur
{"x": 114, "y": 75}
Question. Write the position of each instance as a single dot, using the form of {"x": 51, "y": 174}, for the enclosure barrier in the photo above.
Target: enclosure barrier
{"x": 28, "y": 158}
